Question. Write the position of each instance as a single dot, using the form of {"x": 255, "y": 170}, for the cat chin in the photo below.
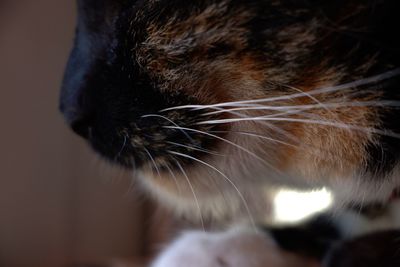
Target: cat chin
{"x": 365, "y": 188}
{"x": 249, "y": 196}
{"x": 250, "y": 203}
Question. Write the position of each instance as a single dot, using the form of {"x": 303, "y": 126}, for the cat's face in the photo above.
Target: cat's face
{"x": 222, "y": 98}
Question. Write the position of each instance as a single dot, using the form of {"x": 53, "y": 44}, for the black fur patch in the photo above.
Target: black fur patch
{"x": 312, "y": 239}
{"x": 375, "y": 250}
{"x": 385, "y": 154}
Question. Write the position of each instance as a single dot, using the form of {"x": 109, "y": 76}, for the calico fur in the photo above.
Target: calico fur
{"x": 214, "y": 104}
{"x": 134, "y": 61}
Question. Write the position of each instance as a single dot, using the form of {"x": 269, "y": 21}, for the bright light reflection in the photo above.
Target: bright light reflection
{"x": 292, "y": 206}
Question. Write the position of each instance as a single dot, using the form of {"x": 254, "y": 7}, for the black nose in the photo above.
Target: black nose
{"x": 79, "y": 119}
{"x": 78, "y": 111}
{"x": 82, "y": 126}
{"x": 76, "y": 99}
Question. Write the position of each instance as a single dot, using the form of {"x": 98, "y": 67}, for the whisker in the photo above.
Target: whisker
{"x": 307, "y": 121}
{"x": 248, "y": 108}
{"x": 175, "y": 179}
{"x": 384, "y": 103}
{"x": 153, "y": 161}
{"x": 310, "y": 149}
{"x": 229, "y": 142}
{"x": 122, "y": 148}
{"x": 313, "y": 98}
{"x": 226, "y": 178}
{"x": 131, "y": 186}
{"x": 330, "y": 89}
{"x": 266, "y": 124}
{"x": 195, "y": 148}
{"x": 193, "y": 192}
{"x": 259, "y": 136}
{"x": 201, "y": 107}
{"x": 298, "y": 109}
{"x": 169, "y": 120}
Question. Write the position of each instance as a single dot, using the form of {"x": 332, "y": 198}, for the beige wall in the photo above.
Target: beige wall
{"x": 58, "y": 204}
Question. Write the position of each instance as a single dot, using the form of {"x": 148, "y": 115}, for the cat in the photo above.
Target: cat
{"x": 215, "y": 104}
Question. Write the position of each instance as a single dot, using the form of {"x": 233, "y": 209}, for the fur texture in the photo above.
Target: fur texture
{"x": 214, "y": 103}
{"x": 301, "y": 93}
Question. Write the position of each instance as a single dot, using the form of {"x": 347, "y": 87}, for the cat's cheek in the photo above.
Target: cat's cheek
{"x": 234, "y": 248}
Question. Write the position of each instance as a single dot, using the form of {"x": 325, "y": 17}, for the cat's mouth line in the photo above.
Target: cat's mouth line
{"x": 152, "y": 149}
{"x": 147, "y": 141}
{"x": 157, "y": 142}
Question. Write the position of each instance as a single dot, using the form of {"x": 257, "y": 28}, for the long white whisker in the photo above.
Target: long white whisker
{"x": 310, "y": 149}
{"x": 259, "y": 136}
{"x": 226, "y": 178}
{"x": 193, "y": 192}
{"x": 354, "y": 84}
{"x": 310, "y": 96}
{"x": 175, "y": 179}
{"x": 195, "y": 148}
{"x": 122, "y": 148}
{"x": 309, "y": 121}
{"x": 153, "y": 161}
{"x": 259, "y": 107}
{"x": 169, "y": 120}
{"x": 330, "y": 89}
{"x": 268, "y": 125}
{"x": 226, "y": 141}
{"x": 384, "y": 103}
{"x": 201, "y": 107}
{"x": 132, "y": 181}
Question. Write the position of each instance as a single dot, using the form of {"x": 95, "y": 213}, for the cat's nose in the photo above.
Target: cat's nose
{"x": 82, "y": 126}
{"x": 76, "y": 99}
{"x": 78, "y": 116}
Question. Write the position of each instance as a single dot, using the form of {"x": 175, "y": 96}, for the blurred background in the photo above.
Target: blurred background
{"x": 59, "y": 204}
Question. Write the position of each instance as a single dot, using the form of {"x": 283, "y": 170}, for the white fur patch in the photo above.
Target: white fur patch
{"x": 352, "y": 224}
{"x": 234, "y": 248}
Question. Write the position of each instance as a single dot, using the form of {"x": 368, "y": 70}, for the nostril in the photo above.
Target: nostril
{"x": 81, "y": 127}
{"x": 80, "y": 119}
